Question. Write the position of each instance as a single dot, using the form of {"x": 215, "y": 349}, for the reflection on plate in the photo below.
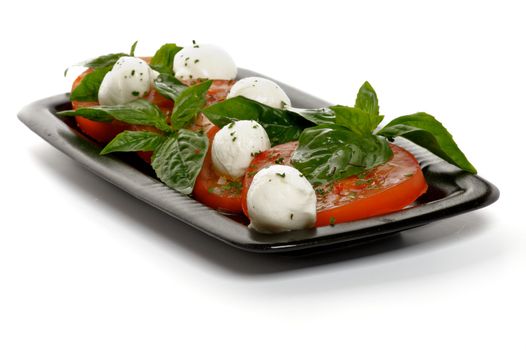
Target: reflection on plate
{"x": 451, "y": 191}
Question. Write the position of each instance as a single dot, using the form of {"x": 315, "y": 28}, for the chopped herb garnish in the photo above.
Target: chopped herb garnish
{"x": 233, "y": 186}
{"x": 231, "y": 125}
{"x": 234, "y": 139}
{"x": 332, "y": 221}
{"x": 279, "y": 160}
{"x": 363, "y": 182}
{"x": 196, "y": 61}
{"x": 133, "y": 72}
{"x": 281, "y": 175}
{"x": 135, "y": 93}
{"x": 291, "y": 216}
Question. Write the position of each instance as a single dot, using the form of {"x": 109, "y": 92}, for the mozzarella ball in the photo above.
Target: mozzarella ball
{"x": 204, "y": 62}
{"x": 129, "y": 79}
{"x": 281, "y": 199}
{"x": 236, "y": 144}
{"x": 262, "y": 90}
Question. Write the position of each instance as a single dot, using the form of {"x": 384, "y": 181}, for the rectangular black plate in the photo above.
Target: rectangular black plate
{"x": 451, "y": 191}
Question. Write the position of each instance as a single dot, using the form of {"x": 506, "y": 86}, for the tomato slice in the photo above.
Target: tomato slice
{"x": 384, "y": 189}
{"x": 215, "y": 190}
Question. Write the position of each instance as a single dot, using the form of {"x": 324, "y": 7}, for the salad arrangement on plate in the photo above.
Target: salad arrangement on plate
{"x": 241, "y": 146}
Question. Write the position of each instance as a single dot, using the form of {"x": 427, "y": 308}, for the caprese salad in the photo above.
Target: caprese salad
{"x": 241, "y": 146}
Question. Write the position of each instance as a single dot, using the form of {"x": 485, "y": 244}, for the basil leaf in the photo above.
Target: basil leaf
{"x": 189, "y": 103}
{"x": 133, "y": 141}
{"x": 178, "y": 160}
{"x": 424, "y": 130}
{"x": 365, "y": 116}
{"x": 138, "y": 112}
{"x": 281, "y": 125}
{"x": 88, "y": 113}
{"x": 103, "y": 61}
{"x": 317, "y": 116}
{"x": 88, "y": 89}
{"x": 353, "y": 119}
{"x": 367, "y": 101}
{"x": 163, "y": 60}
{"x": 332, "y": 152}
{"x": 132, "y": 49}
{"x": 168, "y": 86}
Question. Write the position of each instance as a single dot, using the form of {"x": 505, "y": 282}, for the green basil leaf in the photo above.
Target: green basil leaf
{"x": 317, "y": 116}
{"x": 88, "y": 113}
{"x": 88, "y": 89}
{"x": 331, "y": 152}
{"x": 364, "y": 117}
{"x": 163, "y": 60}
{"x": 133, "y": 141}
{"x": 179, "y": 159}
{"x": 424, "y": 130}
{"x": 367, "y": 101}
{"x": 132, "y": 49}
{"x": 189, "y": 103}
{"x": 353, "y": 119}
{"x": 138, "y": 112}
{"x": 168, "y": 86}
{"x": 281, "y": 125}
{"x": 103, "y": 61}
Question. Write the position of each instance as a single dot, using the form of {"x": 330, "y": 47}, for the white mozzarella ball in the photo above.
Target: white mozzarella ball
{"x": 236, "y": 144}
{"x": 281, "y": 199}
{"x": 262, "y": 90}
{"x": 129, "y": 79}
{"x": 204, "y": 62}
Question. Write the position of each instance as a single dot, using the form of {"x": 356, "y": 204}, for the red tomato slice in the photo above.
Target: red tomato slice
{"x": 214, "y": 190}
{"x": 387, "y": 188}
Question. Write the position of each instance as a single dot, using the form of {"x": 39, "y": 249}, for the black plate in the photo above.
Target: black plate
{"x": 451, "y": 191}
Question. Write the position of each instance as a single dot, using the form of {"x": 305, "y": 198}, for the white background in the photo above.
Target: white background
{"x": 84, "y": 265}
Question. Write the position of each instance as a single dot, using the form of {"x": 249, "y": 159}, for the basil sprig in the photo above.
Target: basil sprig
{"x": 346, "y": 145}
{"x": 281, "y": 125}
{"x": 345, "y": 141}
{"x": 178, "y": 153}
